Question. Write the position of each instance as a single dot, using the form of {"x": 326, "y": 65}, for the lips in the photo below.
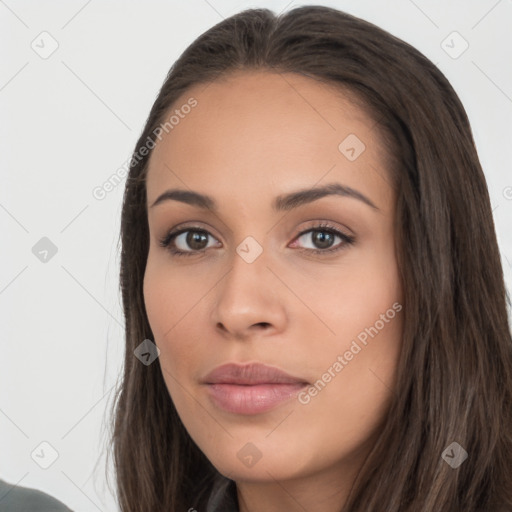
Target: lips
{"x": 251, "y": 389}
{"x": 250, "y": 374}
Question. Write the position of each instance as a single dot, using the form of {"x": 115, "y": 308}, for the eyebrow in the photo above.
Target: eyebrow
{"x": 283, "y": 202}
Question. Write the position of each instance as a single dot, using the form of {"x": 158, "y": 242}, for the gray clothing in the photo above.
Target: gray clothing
{"x": 223, "y": 497}
{"x": 14, "y": 498}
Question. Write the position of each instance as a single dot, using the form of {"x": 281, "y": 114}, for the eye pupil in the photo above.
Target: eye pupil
{"x": 194, "y": 237}
{"x": 323, "y": 238}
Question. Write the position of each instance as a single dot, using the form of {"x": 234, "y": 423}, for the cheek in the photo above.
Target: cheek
{"x": 364, "y": 309}
{"x": 351, "y": 298}
{"x": 169, "y": 295}
{"x": 173, "y": 305}
{"x": 351, "y": 396}
{"x": 166, "y": 302}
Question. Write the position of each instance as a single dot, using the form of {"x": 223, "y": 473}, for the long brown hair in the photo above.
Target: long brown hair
{"x": 454, "y": 378}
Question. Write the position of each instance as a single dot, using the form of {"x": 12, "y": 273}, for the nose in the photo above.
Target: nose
{"x": 249, "y": 300}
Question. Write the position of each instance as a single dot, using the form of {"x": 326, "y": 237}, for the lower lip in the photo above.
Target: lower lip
{"x": 254, "y": 399}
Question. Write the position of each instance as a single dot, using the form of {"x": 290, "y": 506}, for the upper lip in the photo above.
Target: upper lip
{"x": 250, "y": 374}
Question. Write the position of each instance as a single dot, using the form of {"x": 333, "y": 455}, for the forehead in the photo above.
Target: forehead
{"x": 254, "y": 130}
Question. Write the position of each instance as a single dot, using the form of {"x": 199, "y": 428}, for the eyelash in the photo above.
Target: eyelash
{"x": 323, "y": 227}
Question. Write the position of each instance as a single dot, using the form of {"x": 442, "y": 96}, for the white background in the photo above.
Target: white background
{"x": 70, "y": 121}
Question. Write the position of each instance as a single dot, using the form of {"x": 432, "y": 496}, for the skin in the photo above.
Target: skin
{"x": 252, "y": 137}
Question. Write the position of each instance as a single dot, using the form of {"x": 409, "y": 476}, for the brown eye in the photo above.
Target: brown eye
{"x": 196, "y": 240}
{"x": 323, "y": 239}
{"x": 186, "y": 241}
{"x": 320, "y": 239}
{"x": 192, "y": 241}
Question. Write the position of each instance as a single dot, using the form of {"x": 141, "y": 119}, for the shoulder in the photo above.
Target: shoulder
{"x": 14, "y": 498}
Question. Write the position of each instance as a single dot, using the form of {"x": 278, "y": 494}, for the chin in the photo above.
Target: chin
{"x": 257, "y": 462}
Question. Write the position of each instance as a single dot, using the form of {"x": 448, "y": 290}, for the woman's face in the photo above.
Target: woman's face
{"x": 251, "y": 287}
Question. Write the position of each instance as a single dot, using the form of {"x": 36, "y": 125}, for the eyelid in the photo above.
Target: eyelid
{"x": 327, "y": 225}
{"x": 189, "y": 226}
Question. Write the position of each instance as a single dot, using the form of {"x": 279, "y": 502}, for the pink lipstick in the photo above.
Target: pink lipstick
{"x": 251, "y": 389}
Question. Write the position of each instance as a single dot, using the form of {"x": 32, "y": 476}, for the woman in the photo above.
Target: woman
{"x": 316, "y": 317}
